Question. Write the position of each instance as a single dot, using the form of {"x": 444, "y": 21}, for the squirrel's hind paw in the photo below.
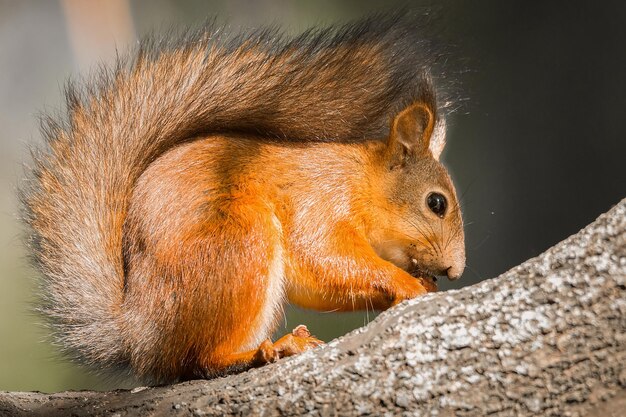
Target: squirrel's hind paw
{"x": 298, "y": 341}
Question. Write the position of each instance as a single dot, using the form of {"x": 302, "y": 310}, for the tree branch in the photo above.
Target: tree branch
{"x": 545, "y": 338}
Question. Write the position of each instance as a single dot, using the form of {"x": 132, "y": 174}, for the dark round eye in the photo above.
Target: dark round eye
{"x": 437, "y": 204}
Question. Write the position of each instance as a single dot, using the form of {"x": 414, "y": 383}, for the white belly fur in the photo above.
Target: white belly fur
{"x": 274, "y": 296}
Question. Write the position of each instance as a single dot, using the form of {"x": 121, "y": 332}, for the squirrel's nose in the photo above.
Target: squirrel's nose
{"x": 454, "y": 272}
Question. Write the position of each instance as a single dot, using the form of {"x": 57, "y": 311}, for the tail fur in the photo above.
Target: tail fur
{"x": 331, "y": 84}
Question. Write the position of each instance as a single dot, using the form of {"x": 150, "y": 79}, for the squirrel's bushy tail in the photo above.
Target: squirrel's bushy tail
{"x": 332, "y": 84}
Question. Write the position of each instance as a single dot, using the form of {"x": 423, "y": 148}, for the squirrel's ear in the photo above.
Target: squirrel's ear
{"x": 415, "y": 131}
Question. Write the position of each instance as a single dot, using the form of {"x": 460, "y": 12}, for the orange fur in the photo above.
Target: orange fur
{"x": 198, "y": 186}
{"x": 206, "y": 221}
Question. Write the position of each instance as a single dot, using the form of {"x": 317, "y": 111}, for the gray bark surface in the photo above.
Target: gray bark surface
{"x": 545, "y": 338}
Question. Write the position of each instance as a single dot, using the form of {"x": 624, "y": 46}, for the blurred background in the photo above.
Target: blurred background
{"x": 537, "y": 150}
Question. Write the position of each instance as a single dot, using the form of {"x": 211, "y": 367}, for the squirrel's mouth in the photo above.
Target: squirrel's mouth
{"x": 428, "y": 280}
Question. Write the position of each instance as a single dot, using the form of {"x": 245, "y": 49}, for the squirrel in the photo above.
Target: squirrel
{"x": 197, "y": 185}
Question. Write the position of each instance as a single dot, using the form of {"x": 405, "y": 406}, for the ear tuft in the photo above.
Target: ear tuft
{"x": 438, "y": 139}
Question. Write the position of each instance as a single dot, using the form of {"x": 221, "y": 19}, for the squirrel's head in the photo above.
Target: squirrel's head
{"x": 422, "y": 231}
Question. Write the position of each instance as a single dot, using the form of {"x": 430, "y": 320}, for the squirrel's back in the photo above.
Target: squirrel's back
{"x": 336, "y": 84}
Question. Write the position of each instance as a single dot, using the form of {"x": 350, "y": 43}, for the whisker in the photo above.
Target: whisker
{"x": 423, "y": 234}
{"x": 478, "y": 275}
{"x": 433, "y": 242}
{"x": 426, "y": 231}
{"x": 481, "y": 242}
{"x": 437, "y": 249}
{"x": 463, "y": 194}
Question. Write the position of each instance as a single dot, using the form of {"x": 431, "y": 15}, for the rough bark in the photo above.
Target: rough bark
{"x": 545, "y": 338}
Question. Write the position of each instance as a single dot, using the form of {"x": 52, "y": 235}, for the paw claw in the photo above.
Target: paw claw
{"x": 316, "y": 342}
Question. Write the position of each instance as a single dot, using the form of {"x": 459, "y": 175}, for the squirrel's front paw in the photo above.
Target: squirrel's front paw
{"x": 409, "y": 287}
{"x": 430, "y": 283}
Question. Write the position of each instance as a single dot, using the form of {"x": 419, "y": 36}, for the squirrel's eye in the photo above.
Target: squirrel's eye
{"x": 437, "y": 204}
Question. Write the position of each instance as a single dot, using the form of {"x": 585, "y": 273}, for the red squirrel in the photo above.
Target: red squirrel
{"x": 197, "y": 186}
